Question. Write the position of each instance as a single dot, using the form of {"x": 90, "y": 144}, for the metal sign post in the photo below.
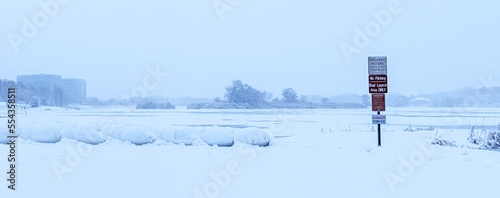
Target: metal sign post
{"x": 378, "y": 86}
{"x": 379, "y": 136}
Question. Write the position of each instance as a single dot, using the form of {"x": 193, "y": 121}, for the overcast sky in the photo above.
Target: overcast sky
{"x": 273, "y": 44}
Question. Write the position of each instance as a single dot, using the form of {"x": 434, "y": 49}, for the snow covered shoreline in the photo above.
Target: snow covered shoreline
{"x": 318, "y": 153}
{"x": 140, "y": 134}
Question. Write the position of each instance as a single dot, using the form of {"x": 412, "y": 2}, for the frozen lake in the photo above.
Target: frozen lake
{"x": 280, "y": 122}
{"x": 95, "y": 125}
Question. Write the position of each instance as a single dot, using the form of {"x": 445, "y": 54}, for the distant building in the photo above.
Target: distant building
{"x": 63, "y": 90}
{"x": 42, "y": 82}
{"x": 74, "y": 90}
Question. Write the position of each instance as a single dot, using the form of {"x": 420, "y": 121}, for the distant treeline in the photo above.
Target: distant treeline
{"x": 32, "y": 96}
{"x": 27, "y": 96}
{"x": 273, "y": 105}
{"x": 154, "y": 102}
{"x": 154, "y": 105}
{"x": 466, "y": 97}
{"x": 244, "y": 96}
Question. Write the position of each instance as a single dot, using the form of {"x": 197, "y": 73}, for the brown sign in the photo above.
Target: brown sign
{"x": 378, "y": 83}
{"x": 378, "y": 102}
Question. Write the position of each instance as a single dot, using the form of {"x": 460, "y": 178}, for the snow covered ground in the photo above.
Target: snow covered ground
{"x": 121, "y": 152}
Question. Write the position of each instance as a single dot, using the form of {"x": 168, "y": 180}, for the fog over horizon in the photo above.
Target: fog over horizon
{"x": 431, "y": 46}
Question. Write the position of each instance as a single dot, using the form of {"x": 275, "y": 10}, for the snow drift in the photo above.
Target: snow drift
{"x": 141, "y": 134}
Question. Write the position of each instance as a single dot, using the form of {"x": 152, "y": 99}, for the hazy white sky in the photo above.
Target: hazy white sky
{"x": 274, "y": 44}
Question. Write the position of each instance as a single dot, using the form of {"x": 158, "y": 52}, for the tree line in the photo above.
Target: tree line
{"x": 243, "y": 96}
{"x": 32, "y": 96}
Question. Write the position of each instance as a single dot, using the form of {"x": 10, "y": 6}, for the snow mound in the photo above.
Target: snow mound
{"x": 187, "y": 136}
{"x": 134, "y": 134}
{"x": 86, "y": 133}
{"x": 43, "y": 133}
{"x": 140, "y": 134}
{"x": 165, "y": 134}
{"x": 220, "y": 136}
{"x": 253, "y": 136}
{"x": 3, "y": 136}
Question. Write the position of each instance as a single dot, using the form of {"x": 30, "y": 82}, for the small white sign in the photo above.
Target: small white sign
{"x": 377, "y": 65}
{"x": 379, "y": 119}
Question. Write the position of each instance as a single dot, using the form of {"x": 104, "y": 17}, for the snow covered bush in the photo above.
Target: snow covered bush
{"x": 43, "y": 101}
{"x": 411, "y": 129}
{"x": 153, "y": 105}
{"x": 439, "y": 140}
{"x": 34, "y": 102}
{"x": 442, "y": 142}
{"x": 484, "y": 138}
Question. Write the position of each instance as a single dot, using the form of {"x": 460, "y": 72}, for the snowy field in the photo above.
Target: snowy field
{"x": 122, "y": 152}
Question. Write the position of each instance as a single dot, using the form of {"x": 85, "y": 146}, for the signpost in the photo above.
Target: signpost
{"x": 378, "y": 87}
{"x": 378, "y": 102}
{"x": 377, "y": 83}
{"x": 377, "y": 65}
{"x": 379, "y": 119}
